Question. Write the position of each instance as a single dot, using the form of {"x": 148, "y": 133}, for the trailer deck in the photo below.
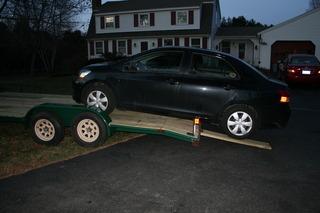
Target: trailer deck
{"x": 14, "y": 106}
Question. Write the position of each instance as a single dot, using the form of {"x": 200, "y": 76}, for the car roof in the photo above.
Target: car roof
{"x": 301, "y": 55}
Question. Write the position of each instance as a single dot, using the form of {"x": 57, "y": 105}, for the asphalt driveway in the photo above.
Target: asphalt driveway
{"x": 160, "y": 174}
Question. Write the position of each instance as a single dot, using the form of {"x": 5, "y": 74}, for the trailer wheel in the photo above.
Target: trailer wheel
{"x": 89, "y": 130}
{"x": 47, "y": 128}
{"x": 239, "y": 122}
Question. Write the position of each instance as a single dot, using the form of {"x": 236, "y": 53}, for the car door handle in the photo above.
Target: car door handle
{"x": 171, "y": 81}
{"x": 228, "y": 87}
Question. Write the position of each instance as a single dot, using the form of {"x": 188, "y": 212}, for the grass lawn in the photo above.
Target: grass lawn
{"x": 18, "y": 152}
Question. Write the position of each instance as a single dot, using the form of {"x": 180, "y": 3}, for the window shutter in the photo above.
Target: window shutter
{"x": 135, "y": 20}
{"x": 117, "y": 21}
{"x": 129, "y": 47}
{"x": 204, "y": 43}
{"x": 191, "y": 17}
{"x": 102, "y": 25}
{"x": 186, "y": 42}
{"x": 91, "y": 48}
{"x": 173, "y": 18}
{"x": 114, "y": 46}
{"x": 159, "y": 42}
{"x": 176, "y": 42}
{"x": 151, "y": 19}
{"x": 106, "y": 47}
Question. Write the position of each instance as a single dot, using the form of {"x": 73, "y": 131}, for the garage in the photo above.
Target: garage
{"x": 280, "y": 49}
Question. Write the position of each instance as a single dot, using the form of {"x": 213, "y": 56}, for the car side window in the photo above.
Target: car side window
{"x": 212, "y": 66}
{"x": 158, "y": 62}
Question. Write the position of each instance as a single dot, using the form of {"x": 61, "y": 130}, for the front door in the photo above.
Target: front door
{"x": 144, "y": 46}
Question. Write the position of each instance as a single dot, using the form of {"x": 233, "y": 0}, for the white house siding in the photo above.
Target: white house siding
{"x": 162, "y": 21}
{"x": 305, "y": 27}
{"x": 251, "y": 53}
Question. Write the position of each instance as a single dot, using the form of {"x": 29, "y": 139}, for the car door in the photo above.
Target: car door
{"x": 210, "y": 83}
{"x": 152, "y": 81}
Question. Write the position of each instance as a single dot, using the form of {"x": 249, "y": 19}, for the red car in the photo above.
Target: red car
{"x": 300, "y": 68}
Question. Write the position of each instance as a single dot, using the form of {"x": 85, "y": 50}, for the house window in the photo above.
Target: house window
{"x": 99, "y": 47}
{"x": 144, "y": 19}
{"x": 168, "y": 42}
{"x": 122, "y": 47}
{"x": 182, "y": 17}
{"x": 196, "y": 42}
{"x": 226, "y": 47}
{"x": 109, "y": 21}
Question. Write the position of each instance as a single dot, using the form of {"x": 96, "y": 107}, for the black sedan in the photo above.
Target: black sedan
{"x": 187, "y": 82}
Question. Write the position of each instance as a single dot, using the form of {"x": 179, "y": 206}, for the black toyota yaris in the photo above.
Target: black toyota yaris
{"x": 188, "y": 82}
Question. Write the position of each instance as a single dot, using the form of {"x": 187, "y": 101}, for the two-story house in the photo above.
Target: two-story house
{"x": 133, "y": 26}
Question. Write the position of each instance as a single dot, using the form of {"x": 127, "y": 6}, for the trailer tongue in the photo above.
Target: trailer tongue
{"x": 90, "y": 128}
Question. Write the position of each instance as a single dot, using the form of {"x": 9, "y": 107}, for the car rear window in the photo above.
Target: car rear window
{"x": 304, "y": 60}
{"x": 212, "y": 66}
{"x": 167, "y": 61}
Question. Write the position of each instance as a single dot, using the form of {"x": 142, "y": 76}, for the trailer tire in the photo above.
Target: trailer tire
{"x": 47, "y": 128}
{"x": 89, "y": 130}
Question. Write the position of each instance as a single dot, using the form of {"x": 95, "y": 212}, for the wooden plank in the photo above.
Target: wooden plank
{"x": 247, "y": 142}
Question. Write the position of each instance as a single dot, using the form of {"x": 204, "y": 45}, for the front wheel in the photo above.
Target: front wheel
{"x": 239, "y": 122}
{"x": 89, "y": 130}
{"x": 99, "y": 97}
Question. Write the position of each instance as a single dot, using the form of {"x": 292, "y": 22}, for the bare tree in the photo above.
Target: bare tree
{"x": 3, "y": 4}
{"x": 313, "y": 4}
{"x": 41, "y": 24}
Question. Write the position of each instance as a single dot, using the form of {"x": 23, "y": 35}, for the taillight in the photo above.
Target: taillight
{"x": 291, "y": 70}
{"x": 285, "y": 96}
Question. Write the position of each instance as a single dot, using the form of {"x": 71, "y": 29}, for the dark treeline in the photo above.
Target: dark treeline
{"x": 241, "y": 21}
{"x": 16, "y": 54}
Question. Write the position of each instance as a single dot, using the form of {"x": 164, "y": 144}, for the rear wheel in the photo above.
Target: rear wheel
{"x": 239, "y": 122}
{"x": 47, "y": 128}
{"x": 89, "y": 130}
{"x": 99, "y": 97}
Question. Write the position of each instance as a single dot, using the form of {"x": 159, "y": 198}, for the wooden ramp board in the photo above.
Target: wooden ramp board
{"x": 18, "y": 104}
{"x": 248, "y": 142}
{"x": 151, "y": 121}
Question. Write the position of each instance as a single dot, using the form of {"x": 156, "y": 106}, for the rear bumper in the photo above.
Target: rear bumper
{"x": 303, "y": 78}
{"x": 275, "y": 117}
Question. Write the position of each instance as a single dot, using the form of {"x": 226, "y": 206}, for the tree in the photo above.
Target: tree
{"x": 313, "y": 4}
{"x": 241, "y": 21}
{"x": 40, "y": 24}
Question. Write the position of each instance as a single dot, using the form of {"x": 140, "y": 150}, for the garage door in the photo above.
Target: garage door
{"x": 280, "y": 49}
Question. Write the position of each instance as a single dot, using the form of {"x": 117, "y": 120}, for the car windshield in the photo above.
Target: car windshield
{"x": 304, "y": 60}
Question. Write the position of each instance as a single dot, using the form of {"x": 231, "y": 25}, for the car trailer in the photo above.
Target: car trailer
{"x": 47, "y": 116}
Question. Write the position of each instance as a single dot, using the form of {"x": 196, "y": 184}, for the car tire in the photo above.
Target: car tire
{"x": 239, "y": 122}
{"x": 89, "y": 130}
{"x": 47, "y": 128}
{"x": 99, "y": 97}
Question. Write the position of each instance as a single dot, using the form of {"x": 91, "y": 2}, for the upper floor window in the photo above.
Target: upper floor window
{"x": 182, "y": 17}
{"x": 144, "y": 19}
{"x": 109, "y": 21}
